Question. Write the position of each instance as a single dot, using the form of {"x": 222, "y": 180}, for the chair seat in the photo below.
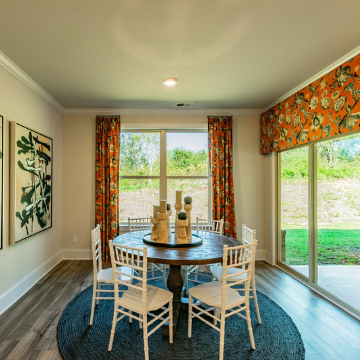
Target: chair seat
{"x": 156, "y": 298}
{"x": 107, "y": 274}
{"x": 210, "y": 293}
{"x": 217, "y": 271}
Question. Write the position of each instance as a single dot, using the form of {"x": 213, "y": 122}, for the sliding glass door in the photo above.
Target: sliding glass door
{"x": 319, "y": 216}
{"x": 294, "y": 210}
{"x": 338, "y": 218}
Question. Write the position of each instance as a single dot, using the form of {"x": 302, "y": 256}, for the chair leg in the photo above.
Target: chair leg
{"x": 171, "y": 322}
{"x": 145, "y": 330}
{"x": 130, "y": 318}
{"x": 164, "y": 276}
{"x": 216, "y": 314}
{"x": 255, "y": 297}
{"x": 222, "y": 334}
{"x": 248, "y": 319}
{"x": 186, "y": 280}
{"x": 140, "y": 322}
{"x": 98, "y": 293}
{"x": 190, "y": 317}
{"x": 113, "y": 328}
{"x": 93, "y": 304}
{"x": 150, "y": 271}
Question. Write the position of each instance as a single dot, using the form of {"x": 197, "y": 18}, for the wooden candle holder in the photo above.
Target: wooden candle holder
{"x": 168, "y": 225}
{"x": 178, "y": 208}
{"x": 187, "y": 208}
{"x": 182, "y": 238}
{"x": 155, "y": 228}
{"x": 162, "y": 238}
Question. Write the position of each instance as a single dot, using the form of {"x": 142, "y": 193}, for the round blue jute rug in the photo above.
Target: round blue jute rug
{"x": 276, "y": 339}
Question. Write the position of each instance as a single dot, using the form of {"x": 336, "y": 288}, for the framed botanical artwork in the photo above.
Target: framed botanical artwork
{"x": 1, "y": 180}
{"x": 31, "y": 164}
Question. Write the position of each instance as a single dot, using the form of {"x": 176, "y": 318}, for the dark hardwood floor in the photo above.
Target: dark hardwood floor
{"x": 28, "y": 328}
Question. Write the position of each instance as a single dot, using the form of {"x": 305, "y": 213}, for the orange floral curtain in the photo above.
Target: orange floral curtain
{"x": 327, "y": 107}
{"x": 221, "y": 170}
{"x": 107, "y": 179}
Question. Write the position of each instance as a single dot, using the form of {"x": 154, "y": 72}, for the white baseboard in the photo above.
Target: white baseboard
{"x": 10, "y": 296}
{"x": 268, "y": 258}
{"x": 79, "y": 254}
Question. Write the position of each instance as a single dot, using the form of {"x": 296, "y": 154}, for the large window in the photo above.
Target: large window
{"x": 319, "y": 217}
{"x": 153, "y": 165}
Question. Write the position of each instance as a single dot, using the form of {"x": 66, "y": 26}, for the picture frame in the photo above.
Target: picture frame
{"x": 31, "y": 169}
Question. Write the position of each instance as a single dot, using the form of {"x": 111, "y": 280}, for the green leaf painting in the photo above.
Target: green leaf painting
{"x": 32, "y": 182}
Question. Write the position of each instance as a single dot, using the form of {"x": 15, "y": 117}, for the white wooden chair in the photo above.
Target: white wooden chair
{"x": 248, "y": 236}
{"x": 141, "y": 299}
{"x": 136, "y": 224}
{"x": 139, "y": 224}
{"x": 102, "y": 276}
{"x": 221, "y": 296}
{"x": 215, "y": 226}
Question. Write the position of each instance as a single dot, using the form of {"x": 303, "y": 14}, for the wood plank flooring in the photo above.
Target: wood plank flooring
{"x": 28, "y": 328}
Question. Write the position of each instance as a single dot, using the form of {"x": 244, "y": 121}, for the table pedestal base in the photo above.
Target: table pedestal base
{"x": 175, "y": 283}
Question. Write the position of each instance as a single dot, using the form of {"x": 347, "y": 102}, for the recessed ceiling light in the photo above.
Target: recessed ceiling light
{"x": 170, "y": 81}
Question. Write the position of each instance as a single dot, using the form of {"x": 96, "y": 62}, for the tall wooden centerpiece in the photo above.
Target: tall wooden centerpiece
{"x": 178, "y": 207}
{"x": 182, "y": 222}
{"x": 168, "y": 225}
{"x": 187, "y": 208}
{"x": 162, "y": 216}
{"x": 155, "y": 223}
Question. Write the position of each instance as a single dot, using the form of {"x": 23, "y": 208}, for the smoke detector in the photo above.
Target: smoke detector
{"x": 184, "y": 105}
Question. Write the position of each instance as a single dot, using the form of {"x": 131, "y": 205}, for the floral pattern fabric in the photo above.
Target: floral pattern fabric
{"x": 221, "y": 170}
{"x": 107, "y": 179}
{"x": 328, "y": 106}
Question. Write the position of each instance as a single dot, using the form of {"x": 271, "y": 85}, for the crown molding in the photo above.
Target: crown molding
{"x": 13, "y": 69}
{"x": 206, "y": 112}
{"x": 331, "y": 67}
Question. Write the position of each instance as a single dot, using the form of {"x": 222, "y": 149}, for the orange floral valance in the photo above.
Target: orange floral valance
{"x": 328, "y": 106}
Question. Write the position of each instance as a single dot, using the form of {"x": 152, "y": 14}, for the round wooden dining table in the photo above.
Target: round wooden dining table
{"x": 209, "y": 252}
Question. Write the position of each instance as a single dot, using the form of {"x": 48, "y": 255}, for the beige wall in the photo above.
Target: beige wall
{"x": 250, "y": 178}
{"x": 78, "y": 184}
{"x": 27, "y": 261}
{"x": 79, "y": 167}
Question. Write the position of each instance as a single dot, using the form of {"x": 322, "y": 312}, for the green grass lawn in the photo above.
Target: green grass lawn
{"x": 335, "y": 247}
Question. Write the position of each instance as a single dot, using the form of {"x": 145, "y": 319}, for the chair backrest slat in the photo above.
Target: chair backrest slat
{"x": 96, "y": 250}
{"x": 248, "y": 235}
{"x": 126, "y": 256}
{"x": 240, "y": 258}
{"x": 139, "y": 224}
{"x": 215, "y": 226}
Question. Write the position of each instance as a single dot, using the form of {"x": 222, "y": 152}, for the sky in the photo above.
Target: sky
{"x": 190, "y": 141}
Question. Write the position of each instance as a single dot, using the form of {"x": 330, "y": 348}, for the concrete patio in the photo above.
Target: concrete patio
{"x": 342, "y": 281}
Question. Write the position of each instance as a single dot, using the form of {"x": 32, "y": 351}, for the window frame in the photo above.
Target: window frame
{"x": 163, "y": 177}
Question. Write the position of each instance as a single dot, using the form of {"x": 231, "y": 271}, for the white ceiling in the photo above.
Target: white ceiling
{"x": 228, "y": 54}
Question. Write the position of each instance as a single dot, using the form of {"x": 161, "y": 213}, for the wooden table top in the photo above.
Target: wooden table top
{"x": 211, "y": 250}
